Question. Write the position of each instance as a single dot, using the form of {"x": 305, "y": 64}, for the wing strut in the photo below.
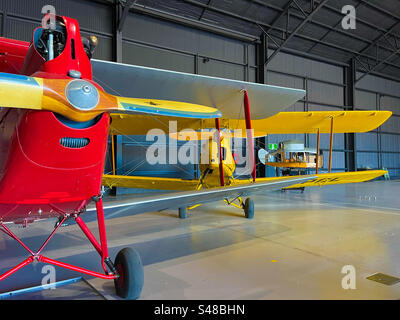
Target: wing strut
{"x": 317, "y": 159}
{"x": 113, "y": 155}
{"x": 331, "y": 146}
{"x": 250, "y": 136}
{"x": 221, "y": 164}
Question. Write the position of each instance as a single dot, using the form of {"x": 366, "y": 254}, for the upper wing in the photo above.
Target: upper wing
{"x": 185, "y": 199}
{"x": 281, "y": 123}
{"x": 310, "y": 122}
{"x": 223, "y": 94}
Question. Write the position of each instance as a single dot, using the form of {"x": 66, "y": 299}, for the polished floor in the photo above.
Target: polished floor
{"x": 294, "y": 248}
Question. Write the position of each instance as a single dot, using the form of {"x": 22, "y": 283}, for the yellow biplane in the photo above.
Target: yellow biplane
{"x": 253, "y": 110}
{"x": 220, "y": 165}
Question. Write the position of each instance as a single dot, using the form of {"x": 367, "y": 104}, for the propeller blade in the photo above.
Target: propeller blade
{"x": 165, "y": 108}
{"x": 21, "y": 92}
{"x": 80, "y": 100}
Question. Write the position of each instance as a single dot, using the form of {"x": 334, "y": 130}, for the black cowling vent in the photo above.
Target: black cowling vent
{"x": 74, "y": 143}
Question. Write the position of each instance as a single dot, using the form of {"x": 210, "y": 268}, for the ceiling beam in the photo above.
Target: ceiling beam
{"x": 380, "y": 9}
{"x": 297, "y": 29}
{"x": 375, "y": 42}
{"x": 250, "y": 38}
{"x": 334, "y": 30}
{"x": 127, "y": 6}
{"x": 330, "y": 28}
{"x": 204, "y": 10}
{"x": 283, "y": 13}
{"x": 266, "y": 25}
{"x": 378, "y": 65}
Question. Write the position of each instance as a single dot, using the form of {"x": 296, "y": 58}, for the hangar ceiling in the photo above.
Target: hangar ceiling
{"x": 309, "y": 28}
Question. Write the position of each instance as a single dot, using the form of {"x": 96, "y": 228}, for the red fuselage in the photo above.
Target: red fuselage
{"x": 46, "y": 162}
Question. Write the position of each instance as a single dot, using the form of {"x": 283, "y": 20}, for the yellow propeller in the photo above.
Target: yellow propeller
{"x": 80, "y": 100}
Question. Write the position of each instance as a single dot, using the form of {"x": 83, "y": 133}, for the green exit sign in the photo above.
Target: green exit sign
{"x": 273, "y": 146}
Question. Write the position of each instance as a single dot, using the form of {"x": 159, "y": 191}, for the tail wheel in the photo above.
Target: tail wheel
{"x": 249, "y": 208}
{"x": 182, "y": 213}
{"x": 129, "y": 266}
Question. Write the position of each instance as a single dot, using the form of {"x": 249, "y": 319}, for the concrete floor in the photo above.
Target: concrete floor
{"x": 295, "y": 248}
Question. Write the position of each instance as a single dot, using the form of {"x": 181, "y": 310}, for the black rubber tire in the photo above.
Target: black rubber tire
{"x": 129, "y": 285}
{"x": 249, "y": 208}
{"x": 182, "y": 213}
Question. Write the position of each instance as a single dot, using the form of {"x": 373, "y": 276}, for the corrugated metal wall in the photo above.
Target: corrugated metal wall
{"x": 154, "y": 43}
{"x": 20, "y": 17}
{"x": 325, "y": 91}
{"x": 380, "y": 148}
{"x": 151, "y": 42}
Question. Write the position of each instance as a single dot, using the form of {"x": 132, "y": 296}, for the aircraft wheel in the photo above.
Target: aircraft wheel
{"x": 249, "y": 208}
{"x": 129, "y": 284}
{"x": 183, "y": 213}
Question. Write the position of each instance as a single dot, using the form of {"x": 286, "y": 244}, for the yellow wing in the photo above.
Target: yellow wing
{"x": 326, "y": 178}
{"x": 165, "y": 108}
{"x": 341, "y": 178}
{"x": 18, "y": 91}
{"x": 281, "y": 123}
{"x": 310, "y": 122}
{"x": 154, "y": 183}
{"x": 318, "y": 180}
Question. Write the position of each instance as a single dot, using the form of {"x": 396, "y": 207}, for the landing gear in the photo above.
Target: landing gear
{"x": 127, "y": 272}
{"x": 183, "y": 213}
{"x": 248, "y": 208}
{"x": 130, "y": 279}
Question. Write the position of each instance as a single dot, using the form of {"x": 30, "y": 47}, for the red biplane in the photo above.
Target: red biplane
{"x": 54, "y": 125}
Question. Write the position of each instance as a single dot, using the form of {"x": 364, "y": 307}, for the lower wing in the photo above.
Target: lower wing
{"x": 340, "y": 178}
{"x": 323, "y": 179}
{"x": 185, "y": 199}
{"x": 241, "y": 188}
